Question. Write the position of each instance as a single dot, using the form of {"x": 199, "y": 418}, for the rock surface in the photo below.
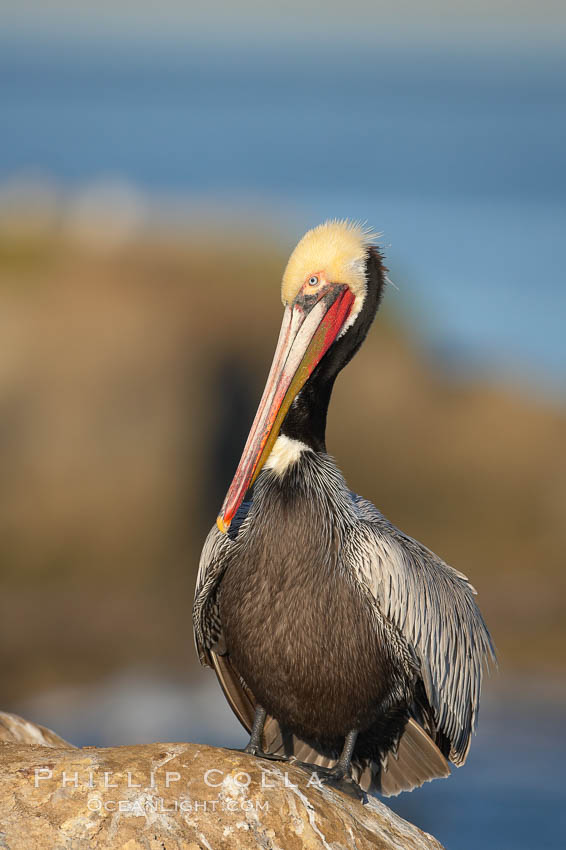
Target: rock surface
{"x": 180, "y": 797}
{"x": 17, "y": 730}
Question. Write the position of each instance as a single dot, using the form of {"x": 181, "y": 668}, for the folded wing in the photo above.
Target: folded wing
{"x": 433, "y": 606}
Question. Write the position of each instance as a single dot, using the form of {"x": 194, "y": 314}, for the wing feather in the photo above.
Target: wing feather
{"x": 214, "y": 559}
{"x": 433, "y": 606}
{"x": 206, "y": 620}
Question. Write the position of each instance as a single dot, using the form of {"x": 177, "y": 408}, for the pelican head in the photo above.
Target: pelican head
{"x": 329, "y": 303}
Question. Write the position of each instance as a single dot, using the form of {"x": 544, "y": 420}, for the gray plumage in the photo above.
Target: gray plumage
{"x": 416, "y": 611}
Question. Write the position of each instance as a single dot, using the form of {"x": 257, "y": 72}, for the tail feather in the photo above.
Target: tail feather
{"x": 240, "y": 698}
{"x": 279, "y": 743}
{"x": 417, "y": 760}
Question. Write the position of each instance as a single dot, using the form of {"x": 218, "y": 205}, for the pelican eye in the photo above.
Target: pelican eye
{"x": 313, "y": 280}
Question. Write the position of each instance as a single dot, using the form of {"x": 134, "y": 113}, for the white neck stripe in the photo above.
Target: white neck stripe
{"x": 285, "y": 452}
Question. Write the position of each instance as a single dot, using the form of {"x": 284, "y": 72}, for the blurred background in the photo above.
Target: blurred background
{"x": 157, "y": 165}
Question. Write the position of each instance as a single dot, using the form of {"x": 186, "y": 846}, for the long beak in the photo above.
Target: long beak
{"x": 310, "y": 326}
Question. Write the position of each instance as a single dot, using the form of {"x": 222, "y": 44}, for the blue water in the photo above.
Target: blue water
{"x": 510, "y": 793}
{"x": 459, "y": 158}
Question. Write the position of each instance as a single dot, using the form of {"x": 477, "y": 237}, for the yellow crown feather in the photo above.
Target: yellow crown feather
{"x": 337, "y": 248}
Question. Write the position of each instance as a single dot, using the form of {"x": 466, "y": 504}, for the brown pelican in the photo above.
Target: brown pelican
{"x": 338, "y": 640}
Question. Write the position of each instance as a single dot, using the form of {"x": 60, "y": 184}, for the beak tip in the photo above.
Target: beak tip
{"x": 222, "y": 526}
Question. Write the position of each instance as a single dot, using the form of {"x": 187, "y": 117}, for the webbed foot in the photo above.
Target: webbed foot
{"x": 336, "y": 777}
{"x": 251, "y": 750}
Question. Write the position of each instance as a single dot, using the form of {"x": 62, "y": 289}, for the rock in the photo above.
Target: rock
{"x": 17, "y": 730}
{"x": 181, "y": 797}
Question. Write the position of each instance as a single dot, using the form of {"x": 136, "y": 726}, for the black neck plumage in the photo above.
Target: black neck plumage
{"x": 306, "y": 419}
